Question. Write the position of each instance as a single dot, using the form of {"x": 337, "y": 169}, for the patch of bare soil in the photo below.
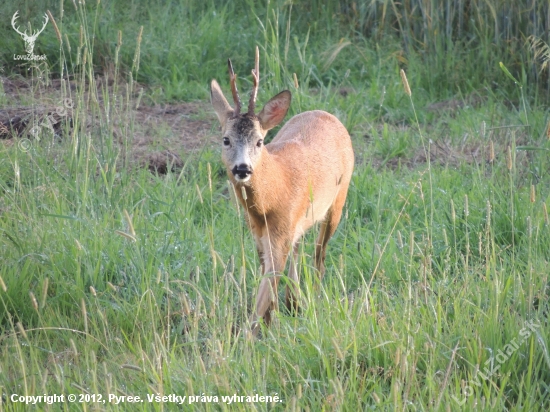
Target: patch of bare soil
{"x": 451, "y": 105}
{"x": 446, "y": 150}
{"x": 19, "y": 121}
{"x": 441, "y": 152}
{"x": 161, "y": 135}
{"x": 167, "y": 130}
{"x": 444, "y": 153}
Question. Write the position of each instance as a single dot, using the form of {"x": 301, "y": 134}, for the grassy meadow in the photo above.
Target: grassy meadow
{"x": 118, "y": 281}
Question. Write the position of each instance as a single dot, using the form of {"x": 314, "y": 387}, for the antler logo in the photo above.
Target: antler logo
{"x": 30, "y": 40}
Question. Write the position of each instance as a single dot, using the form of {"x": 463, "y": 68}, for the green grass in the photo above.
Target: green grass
{"x": 460, "y": 42}
{"x": 118, "y": 281}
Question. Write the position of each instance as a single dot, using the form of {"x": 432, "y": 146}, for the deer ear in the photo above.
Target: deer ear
{"x": 275, "y": 110}
{"x": 219, "y": 102}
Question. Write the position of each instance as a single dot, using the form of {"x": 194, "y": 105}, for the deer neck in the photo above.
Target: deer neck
{"x": 266, "y": 188}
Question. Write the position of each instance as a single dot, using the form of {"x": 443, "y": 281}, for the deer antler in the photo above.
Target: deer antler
{"x": 13, "y": 24}
{"x": 43, "y": 27}
{"x": 233, "y": 82}
{"x": 256, "y": 78}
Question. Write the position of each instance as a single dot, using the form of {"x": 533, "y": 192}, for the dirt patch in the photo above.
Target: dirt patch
{"x": 158, "y": 136}
{"x": 162, "y": 162}
{"x": 451, "y": 105}
{"x": 444, "y": 152}
{"x": 21, "y": 121}
{"x": 441, "y": 152}
{"x": 161, "y": 136}
{"x": 169, "y": 130}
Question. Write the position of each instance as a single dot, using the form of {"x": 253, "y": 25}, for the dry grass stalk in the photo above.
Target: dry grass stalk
{"x": 22, "y": 330}
{"x": 130, "y": 224}
{"x": 33, "y": 301}
{"x": 209, "y": 168}
{"x": 488, "y": 215}
{"x": 84, "y": 314}
{"x": 199, "y": 193}
{"x": 57, "y": 32}
{"x": 453, "y": 212}
{"x": 73, "y": 346}
{"x": 405, "y": 83}
{"x": 44, "y": 292}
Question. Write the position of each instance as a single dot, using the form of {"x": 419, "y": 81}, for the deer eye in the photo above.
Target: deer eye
{"x": 226, "y": 142}
{"x": 259, "y": 143}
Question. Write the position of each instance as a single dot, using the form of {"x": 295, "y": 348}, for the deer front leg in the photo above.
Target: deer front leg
{"x": 260, "y": 250}
{"x": 266, "y": 301}
{"x": 275, "y": 252}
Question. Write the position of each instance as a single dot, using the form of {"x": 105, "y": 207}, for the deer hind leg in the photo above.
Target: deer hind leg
{"x": 293, "y": 288}
{"x": 327, "y": 229}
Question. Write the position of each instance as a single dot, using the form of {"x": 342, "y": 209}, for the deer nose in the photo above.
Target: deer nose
{"x": 242, "y": 171}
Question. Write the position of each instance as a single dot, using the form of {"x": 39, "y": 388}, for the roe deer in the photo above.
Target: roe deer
{"x": 286, "y": 186}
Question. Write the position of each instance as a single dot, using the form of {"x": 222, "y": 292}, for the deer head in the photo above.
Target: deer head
{"x": 29, "y": 39}
{"x": 243, "y": 133}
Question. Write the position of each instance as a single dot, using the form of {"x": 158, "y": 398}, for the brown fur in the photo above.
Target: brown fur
{"x": 298, "y": 179}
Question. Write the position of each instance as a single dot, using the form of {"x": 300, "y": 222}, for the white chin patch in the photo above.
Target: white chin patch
{"x": 239, "y": 180}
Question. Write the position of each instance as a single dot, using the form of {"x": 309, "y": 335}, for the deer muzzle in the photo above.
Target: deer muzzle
{"x": 242, "y": 172}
